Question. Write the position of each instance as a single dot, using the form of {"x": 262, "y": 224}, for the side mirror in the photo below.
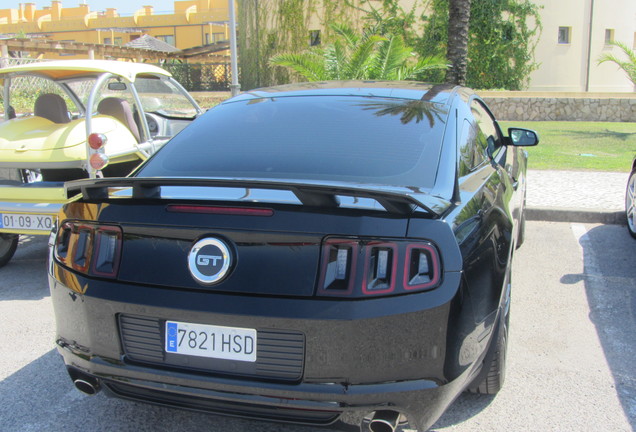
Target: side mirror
{"x": 523, "y": 137}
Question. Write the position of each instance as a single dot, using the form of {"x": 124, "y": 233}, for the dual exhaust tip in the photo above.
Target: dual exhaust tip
{"x": 85, "y": 383}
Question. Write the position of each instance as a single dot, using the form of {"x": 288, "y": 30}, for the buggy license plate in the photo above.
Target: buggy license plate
{"x": 38, "y": 222}
{"x": 202, "y": 340}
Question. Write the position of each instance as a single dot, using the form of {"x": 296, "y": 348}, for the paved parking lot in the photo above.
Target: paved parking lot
{"x": 572, "y": 354}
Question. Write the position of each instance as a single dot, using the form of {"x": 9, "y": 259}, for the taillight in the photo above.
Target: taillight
{"x": 363, "y": 267}
{"x": 96, "y": 140}
{"x": 380, "y": 268}
{"x": 97, "y": 159}
{"x": 89, "y": 248}
{"x": 339, "y": 258}
{"x": 422, "y": 267}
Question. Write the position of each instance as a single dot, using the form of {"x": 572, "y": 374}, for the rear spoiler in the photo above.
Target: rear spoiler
{"x": 396, "y": 200}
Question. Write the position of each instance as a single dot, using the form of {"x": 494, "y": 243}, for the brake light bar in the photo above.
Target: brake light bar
{"x": 89, "y": 248}
{"x": 220, "y": 210}
{"x": 368, "y": 267}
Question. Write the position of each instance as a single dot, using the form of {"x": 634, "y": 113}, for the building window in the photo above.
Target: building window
{"x": 314, "y": 37}
{"x": 118, "y": 41}
{"x": 207, "y": 38}
{"x": 609, "y": 36}
{"x": 169, "y": 39}
{"x": 108, "y": 41}
{"x": 564, "y": 35}
{"x": 218, "y": 37}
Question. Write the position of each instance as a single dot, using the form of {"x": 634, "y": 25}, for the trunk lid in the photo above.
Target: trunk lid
{"x": 275, "y": 255}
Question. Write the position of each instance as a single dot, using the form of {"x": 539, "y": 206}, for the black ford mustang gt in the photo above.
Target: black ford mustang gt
{"x": 299, "y": 253}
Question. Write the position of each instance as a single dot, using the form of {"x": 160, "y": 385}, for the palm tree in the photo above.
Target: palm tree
{"x": 358, "y": 57}
{"x": 457, "y": 48}
{"x": 628, "y": 65}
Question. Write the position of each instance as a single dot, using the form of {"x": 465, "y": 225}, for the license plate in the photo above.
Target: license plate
{"x": 23, "y": 221}
{"x": 202, "y": 340}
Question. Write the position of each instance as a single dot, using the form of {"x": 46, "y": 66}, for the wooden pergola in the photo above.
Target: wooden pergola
{"x": 93, "y": 51}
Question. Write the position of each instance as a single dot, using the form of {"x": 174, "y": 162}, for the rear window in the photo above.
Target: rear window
{"x": 321, "y": 138}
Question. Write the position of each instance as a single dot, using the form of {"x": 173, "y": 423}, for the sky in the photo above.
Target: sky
{"x": 124, "y": 7}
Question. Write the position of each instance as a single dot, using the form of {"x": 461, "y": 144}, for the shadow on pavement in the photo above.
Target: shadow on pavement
{"x": 610, "y": 285}
{"x": 29, "y": 258}
{"x": 466, "y": 406}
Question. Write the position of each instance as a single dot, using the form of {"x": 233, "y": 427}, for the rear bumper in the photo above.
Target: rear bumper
{"x": 391, "y": 353}
{"x": 422, "y": 401}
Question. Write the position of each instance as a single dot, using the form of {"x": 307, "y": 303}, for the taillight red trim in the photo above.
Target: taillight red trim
{"x": 220, "y": 210}
{"x": 435, "y": 273}
{"x": 368, "y": 253}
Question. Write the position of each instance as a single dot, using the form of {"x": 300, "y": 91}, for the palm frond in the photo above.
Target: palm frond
{"x": 362, "y": 57}
{"x": 346, "y": 32}
{"x": 411, "y": 71}
{"x": 391, "y": 55}
{"x": 628, "y": 65}
{"x": 309, "y": 64}
{"x": 336, "y": 59}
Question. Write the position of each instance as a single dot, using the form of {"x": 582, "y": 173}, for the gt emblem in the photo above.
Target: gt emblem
{"x": 203, "y": 260}
{"x": 209, "y": 260}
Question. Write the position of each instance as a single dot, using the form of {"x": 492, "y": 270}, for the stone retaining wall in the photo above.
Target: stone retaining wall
{"x": 519, "y": 108}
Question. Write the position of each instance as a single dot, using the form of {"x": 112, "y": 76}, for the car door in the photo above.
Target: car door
{"x": 504, "y": 159}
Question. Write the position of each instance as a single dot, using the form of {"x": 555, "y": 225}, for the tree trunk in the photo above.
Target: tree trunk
{"x": 457, "y": 50}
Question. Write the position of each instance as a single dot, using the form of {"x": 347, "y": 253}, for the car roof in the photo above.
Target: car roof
{"x": 440, "y": 93}
{"x": 66, "y": 69}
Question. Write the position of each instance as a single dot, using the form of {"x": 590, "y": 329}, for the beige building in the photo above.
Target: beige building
{"x": 193, "y": 23}
{"x": 575, "y": 34}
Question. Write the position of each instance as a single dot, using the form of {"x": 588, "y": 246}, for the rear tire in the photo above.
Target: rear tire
{"x": 630, "y": 204}
{"x": 8, "y": 245}
{"x": 494, "y": 380}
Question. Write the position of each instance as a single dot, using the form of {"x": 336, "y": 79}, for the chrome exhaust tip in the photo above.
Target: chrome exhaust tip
{"x": 384, "y": 421}
{"x": 86, "y": 386}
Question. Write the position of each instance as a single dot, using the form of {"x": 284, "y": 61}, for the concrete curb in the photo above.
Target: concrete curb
{"x": 575, "y": 215}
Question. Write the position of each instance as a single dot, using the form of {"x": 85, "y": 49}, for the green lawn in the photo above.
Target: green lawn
{"x": 581, "y": 146}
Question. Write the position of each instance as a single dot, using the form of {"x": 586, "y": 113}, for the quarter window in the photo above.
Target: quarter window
{"x": 488, "y": 134}
{"x": 472, "y": 152}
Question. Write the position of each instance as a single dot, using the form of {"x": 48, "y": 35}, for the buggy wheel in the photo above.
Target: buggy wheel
{"x": 8, "y": 244}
